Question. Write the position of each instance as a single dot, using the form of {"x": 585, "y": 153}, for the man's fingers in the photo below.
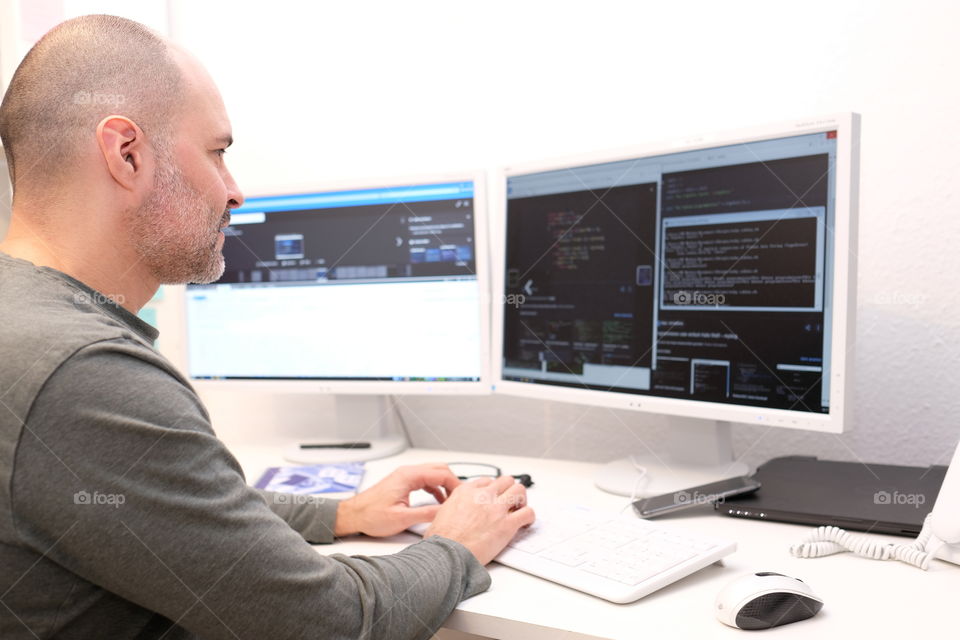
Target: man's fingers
{"x": 426, "y": 465}
{"x": 431, "y": 477}
{"x": 522, "y": 517}
{"x": 515, "y": 496}
{"x": 503, "y": 483}
{"x": 417, "y": 515}
{"x": 438, "y": 495}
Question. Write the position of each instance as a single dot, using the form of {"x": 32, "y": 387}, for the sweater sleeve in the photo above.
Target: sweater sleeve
{"x": 120, "y": 480}
{"x": 313, "y": 517}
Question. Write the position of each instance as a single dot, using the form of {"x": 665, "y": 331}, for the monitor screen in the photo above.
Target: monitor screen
{"x": 705, "y": 275}
{"x": 374, "y": 285}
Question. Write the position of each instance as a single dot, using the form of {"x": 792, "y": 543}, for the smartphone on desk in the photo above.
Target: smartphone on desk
{"x": 710, "y": 493}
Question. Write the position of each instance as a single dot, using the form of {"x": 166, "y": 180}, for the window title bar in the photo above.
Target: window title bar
{"x": 356, "y": 198}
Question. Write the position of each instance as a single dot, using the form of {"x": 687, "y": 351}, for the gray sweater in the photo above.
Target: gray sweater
{"x": 123, "y": 516}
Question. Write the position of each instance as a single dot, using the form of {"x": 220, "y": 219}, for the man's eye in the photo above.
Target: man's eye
{"x": 221, "y": 152}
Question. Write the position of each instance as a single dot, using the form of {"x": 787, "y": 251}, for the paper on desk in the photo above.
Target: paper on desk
{"x": 316, "y": 478}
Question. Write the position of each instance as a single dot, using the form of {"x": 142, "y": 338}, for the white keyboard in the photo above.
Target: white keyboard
{"x": 617, "y": 558}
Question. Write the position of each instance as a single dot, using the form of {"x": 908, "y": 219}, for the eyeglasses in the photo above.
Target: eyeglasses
{"x": 471, "y": 470}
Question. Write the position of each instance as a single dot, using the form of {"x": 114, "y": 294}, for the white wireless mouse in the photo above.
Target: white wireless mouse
{"x": 764, "y": 600}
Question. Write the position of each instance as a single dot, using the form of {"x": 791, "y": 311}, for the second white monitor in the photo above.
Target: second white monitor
{"x": 710, "y": 279}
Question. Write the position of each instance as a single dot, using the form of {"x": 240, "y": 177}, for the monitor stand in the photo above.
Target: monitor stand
{"x": 697, "y": 452}
{"x": 367, "y": 419}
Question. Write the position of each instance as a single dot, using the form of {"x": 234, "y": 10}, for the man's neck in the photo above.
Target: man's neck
{"x": 119, "y": 276}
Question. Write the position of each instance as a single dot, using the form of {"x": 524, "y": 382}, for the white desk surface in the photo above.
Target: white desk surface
{"x": 863, "y": 598}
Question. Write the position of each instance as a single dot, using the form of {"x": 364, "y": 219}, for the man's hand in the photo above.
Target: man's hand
{"x": 483, "y": 515}
{"x": 384, "y": 509}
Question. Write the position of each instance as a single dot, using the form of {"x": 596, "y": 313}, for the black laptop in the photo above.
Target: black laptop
{"x": 879, "y": 498}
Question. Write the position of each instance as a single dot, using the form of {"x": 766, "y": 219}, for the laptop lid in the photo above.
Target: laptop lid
{"x": 877, "y": 498}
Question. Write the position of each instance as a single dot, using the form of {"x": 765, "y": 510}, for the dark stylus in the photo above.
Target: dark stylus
{"x": 337, "y": 445}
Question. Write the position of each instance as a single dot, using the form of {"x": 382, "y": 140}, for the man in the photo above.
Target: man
{"x": 121, "y": 514}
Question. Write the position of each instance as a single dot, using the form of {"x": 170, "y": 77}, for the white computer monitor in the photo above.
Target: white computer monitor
{"x": 710, "y": 279}
{"x": 362, "y": 290}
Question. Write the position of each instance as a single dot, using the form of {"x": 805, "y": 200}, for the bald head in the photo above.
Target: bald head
{"x": 80, "y": 72}
{"x": 116, "y": 141}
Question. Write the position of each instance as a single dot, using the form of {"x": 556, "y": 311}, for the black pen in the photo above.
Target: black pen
{"x": 336, "y": 445}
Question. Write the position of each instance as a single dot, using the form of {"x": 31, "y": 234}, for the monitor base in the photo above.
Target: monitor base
{"x": 622, "y": 477}
{"x": 368, "y": 419}
{"x": 696, "y": 452}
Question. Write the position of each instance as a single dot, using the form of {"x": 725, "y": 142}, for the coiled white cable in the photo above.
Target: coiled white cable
{"x": 826, "y": 541}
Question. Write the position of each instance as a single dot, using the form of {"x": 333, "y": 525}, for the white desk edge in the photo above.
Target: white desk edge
{"x": 882, "y": 599}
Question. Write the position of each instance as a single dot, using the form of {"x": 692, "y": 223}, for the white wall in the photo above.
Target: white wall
{"x": 9, "y": 39}
{"x": 23, "y": 22}
{"x": 328, "y": 91}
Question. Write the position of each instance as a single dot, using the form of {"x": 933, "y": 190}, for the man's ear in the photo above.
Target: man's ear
{"x": 123, "y": 145}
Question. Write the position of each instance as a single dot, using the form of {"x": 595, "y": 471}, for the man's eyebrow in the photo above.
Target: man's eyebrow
{"x": 225, "y": 140}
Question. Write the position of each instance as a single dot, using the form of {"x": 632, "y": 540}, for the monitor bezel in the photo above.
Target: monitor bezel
{"x": 847, "y": 126}
{"x": 482, "y": 386}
